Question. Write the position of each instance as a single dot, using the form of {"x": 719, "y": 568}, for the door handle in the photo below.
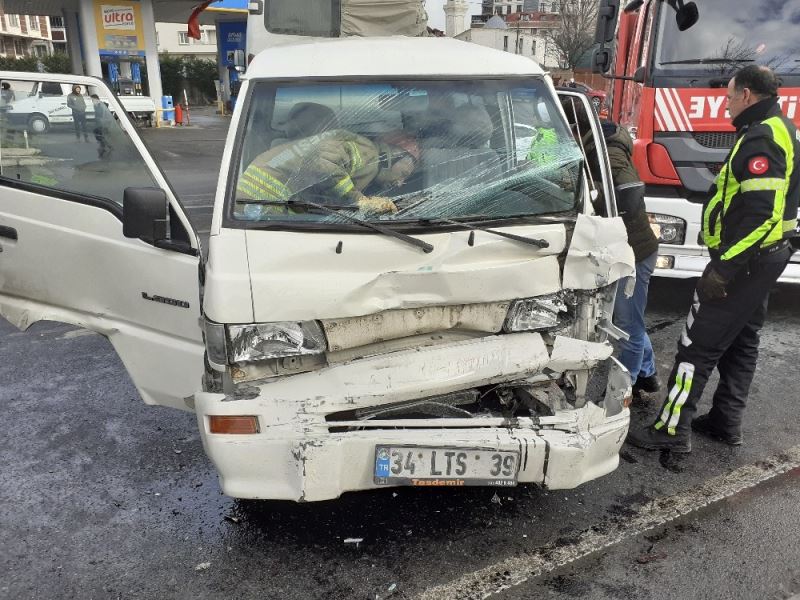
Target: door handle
{"x": 8, "y": 232}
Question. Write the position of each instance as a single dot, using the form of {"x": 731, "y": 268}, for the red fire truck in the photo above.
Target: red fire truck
{"x": 672, "y": 61}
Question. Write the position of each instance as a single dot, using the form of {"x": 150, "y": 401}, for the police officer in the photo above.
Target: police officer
{"x": 746, "y": 226}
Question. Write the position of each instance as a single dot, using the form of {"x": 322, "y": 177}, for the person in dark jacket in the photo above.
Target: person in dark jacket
{"x": 636, "y": 353}
{"x": 77, "y": 104}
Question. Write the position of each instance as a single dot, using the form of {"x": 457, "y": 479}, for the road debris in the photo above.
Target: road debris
{"x": 202, "y": 566}
{"x": 355, "y": 541}
{"x": 232, "y": 519}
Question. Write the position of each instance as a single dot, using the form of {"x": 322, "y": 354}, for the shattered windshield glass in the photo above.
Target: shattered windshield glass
{"x": 404, "y": 152}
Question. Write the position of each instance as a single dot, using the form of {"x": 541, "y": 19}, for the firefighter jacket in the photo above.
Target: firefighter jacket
{"x": 754, "y": 200}
{"x": 338, "y": 162}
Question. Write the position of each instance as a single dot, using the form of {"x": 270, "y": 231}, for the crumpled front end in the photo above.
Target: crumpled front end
{"x": 496, "y": 394}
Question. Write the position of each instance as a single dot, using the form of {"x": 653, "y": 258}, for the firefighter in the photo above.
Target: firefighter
{"x": 746, "y": 225}
{"x": 337, "y": 163}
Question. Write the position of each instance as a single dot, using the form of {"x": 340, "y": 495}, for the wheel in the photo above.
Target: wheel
{"x": 596, "y": 102}
{"x": 38, "y": 123}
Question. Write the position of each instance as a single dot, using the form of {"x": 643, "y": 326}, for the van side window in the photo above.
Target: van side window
{"x": 66, "y": 140}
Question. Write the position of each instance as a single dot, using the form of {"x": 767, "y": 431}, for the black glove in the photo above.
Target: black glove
{"x": 711, "y": 286}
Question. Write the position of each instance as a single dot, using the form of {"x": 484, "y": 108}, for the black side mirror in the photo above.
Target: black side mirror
{"x": 144, "y": 214}
{"x": 687, "y": 16}
{"x": 606, "y": 22}
{"x": 640, "y": 74}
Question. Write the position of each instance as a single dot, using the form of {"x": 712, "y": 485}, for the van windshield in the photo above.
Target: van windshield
{"x": 403, "y": 151}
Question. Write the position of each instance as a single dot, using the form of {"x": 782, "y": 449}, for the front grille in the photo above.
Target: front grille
{"x": 715, "y": 139}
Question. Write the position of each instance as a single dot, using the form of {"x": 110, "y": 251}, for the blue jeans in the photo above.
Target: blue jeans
{"x": 637, "y": 353}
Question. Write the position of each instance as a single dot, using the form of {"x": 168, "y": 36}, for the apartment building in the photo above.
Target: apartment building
{"x": 173, "y": 39}
{"x": 24, "y": 35}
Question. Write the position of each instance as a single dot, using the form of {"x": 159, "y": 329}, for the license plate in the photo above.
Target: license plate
{"x": 428, "y": 466}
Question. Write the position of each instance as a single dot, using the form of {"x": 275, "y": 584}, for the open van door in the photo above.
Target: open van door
{"x": 585, "y": 126}
{"x": 92, "y": 235}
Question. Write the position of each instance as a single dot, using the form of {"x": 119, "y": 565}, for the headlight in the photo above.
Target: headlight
{"x": 274, "y": 340}
{"x": 535, "y": 313}
{"x": 668, "y": 230}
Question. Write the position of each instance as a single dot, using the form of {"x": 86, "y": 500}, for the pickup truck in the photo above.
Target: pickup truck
{"x": 45, "y": 105}
{"x": 451, "y": 331}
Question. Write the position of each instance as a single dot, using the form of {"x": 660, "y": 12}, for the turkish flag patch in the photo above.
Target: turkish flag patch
{"x": 758, "y": 165}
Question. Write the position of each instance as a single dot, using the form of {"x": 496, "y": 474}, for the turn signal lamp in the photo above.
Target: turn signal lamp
{"x": 233, "y": 424}
{"x": 660, "y": 162}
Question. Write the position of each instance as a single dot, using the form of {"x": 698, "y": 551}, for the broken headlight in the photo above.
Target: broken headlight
{"x": 261, "y": 341}
{"x": 531, "y": 314}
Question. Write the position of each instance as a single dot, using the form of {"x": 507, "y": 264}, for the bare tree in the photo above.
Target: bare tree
{"x": 569, "y": 42}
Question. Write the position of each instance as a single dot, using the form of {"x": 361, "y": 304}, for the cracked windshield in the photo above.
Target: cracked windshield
{"x": 731, "y": 35}
{"x": 66, "y": 136}
{"x": 404, "y": 152}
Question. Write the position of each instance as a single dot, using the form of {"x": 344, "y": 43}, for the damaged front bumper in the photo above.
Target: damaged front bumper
{"x": 300, "y": 454}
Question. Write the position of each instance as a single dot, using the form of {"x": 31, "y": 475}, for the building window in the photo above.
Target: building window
{"x": 519, "y": 8}
{"x": 183, "y": 38}
{"x": 19, "y": 48}
{"x": 554, "y": 7}
{"x": 533, "y": 47}
{"x": 508, "y": 9}
{"x": 13, "y": 20}
{"x": 505, "y": 43}
{"x": 56, "y": 21}
{"x": 34, "y": 22}
{"x": 519, "y": 45}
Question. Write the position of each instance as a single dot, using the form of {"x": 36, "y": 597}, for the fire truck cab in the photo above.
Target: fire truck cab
{"x": 671, "y": 64}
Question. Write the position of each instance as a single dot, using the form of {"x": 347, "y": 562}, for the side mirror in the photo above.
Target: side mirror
{"x": 640, "y": 74}
{"x": 144, "y": 214}
{"x": 687, "y": 15}
{"x": 606, "y": 21}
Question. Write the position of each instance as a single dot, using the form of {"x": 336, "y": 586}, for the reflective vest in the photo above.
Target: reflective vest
{"x": 781, "y": 223}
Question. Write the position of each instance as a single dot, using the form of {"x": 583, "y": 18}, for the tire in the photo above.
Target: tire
{"x": 38, "y": 123}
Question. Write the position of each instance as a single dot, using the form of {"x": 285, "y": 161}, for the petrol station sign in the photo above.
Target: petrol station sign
{"x": 119, "y": 27}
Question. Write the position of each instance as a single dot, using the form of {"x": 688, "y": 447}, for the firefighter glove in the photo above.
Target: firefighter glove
{"x": 376, "y": 204}
{"x": 711, "y": 286}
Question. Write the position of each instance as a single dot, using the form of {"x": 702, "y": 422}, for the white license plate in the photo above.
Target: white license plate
{"x": 427, "y": 466}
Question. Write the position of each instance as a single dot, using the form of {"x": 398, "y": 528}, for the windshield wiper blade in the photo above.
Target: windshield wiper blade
{"x": 424, "y": 246}
{"x": 517, "y": 238}
{"x": 708, "y": 61}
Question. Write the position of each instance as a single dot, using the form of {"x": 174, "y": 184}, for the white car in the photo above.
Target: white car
{"x": 323, "y": 348}
{"x": 46, "y": 105}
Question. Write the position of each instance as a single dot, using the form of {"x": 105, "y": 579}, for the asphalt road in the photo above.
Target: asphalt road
{"x": 104, "y": 497}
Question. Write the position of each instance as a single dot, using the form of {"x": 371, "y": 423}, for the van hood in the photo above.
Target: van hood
{"x": 305, "y": 276}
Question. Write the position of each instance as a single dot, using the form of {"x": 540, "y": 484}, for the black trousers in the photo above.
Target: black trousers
{"x": 724, "y": 334}
{"x": 79, "y": 121}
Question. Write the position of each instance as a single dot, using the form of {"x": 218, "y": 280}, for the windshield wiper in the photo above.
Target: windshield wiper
{"x": 708, "y": 61}
{"x": 517, "y": 238}
{"x": 424, "y": 246}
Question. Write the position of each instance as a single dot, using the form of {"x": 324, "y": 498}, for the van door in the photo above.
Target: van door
{"x": 585, "y": 126}
{"x": 63, "y": 255}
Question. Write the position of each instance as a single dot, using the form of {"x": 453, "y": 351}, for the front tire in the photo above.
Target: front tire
{"x": 38, "y": 123}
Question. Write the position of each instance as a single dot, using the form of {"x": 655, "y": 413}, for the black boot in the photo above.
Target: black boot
{"x": 651, "y": 438}
{"x": 705, "y": 426}
{"x": 648, "y": 385}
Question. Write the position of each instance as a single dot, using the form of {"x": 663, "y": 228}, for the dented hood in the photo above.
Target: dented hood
{"x": 302, "y": 276}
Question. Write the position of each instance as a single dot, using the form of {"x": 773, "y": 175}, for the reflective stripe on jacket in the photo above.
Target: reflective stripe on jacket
{"x": 755, "y": 201}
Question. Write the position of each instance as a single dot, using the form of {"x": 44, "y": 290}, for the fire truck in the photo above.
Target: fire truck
{"x": 670, "y": 62}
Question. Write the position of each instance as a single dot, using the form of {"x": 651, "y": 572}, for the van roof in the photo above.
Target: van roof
{"x": 386, "y": 56}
